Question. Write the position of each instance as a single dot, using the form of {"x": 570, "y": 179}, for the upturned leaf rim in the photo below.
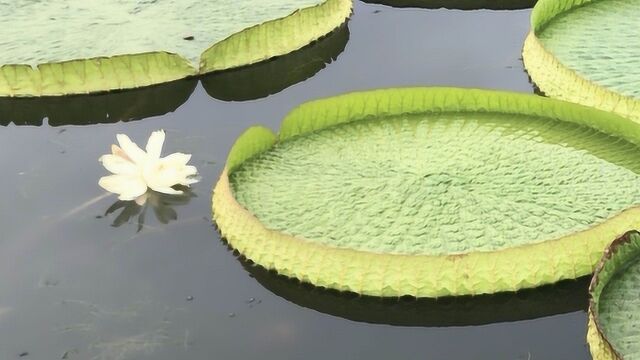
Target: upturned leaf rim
{"x": 343, "y": 269}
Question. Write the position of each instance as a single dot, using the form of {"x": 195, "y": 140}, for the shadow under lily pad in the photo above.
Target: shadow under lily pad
{"x": 459, "y": 4}
{"x": 563, "y": 297}
{"x": 127, "y": 105}
{"x": 272, "y": 76}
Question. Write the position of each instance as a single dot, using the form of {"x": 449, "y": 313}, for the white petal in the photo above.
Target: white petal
{"x": 132, "y": 150}
{"x": 176, "y": 159}
{"x": 189, "y": 170}
{"x": 166, "y": 172}
{"x": 154, "y": 145}
{"x": 117, "y": 151}
{"x": 142, "y": 199}
{"x": 172, "y": 171}
{"x": 126, "y": 186}
{"x": 189, "y": 181}
{"x": 189, "y": 175}
{"x": 118, "y": 165}
{"x": 162, "y": 177}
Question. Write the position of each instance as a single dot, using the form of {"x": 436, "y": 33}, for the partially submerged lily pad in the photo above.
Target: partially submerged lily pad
{"x": 271, "y": 77}
{"x": 614, "y": 308}
{"x": 99, "y": 46}
{"x": 587, "y": 51}
{"x": 431, "y": 191}
{"x": 459, "y": 4}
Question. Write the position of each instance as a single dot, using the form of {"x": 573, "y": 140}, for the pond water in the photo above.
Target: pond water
{"x": 77, "y": 283}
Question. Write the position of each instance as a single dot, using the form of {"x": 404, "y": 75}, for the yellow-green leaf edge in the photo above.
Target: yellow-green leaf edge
{"x": 621, "y": 250}
{"x": 254, "y": 44}
{"x": 380, "y": 274}
{"x": 557, "y": 80}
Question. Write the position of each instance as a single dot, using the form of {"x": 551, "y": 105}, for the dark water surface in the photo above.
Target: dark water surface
{"x": 76, "y": 284}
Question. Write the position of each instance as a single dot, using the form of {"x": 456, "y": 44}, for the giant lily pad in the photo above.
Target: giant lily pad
{"x": 83, "y": 47}
{"x": 270, "y": 77}
{"x": 431, "y": 191}
{"x": 614, "y": 308}
{"x": 587, "y": 51}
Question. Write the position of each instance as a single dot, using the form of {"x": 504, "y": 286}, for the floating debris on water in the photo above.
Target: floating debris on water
{"x": 67, "y": 354}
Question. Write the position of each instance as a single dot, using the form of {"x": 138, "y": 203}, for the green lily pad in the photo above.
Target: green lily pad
{"x": 587, "y": 52}
{"x": 431, "y": 192}
{"x": 439, "y": 184}
{"x": 458, "y": 4}
{"x": 87, "y": 47}
{"x": 271, "y": 77}
{"x": 614, "y": 310}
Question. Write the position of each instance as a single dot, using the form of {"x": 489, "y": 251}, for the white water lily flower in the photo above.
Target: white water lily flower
{"x": 135, "y": 171}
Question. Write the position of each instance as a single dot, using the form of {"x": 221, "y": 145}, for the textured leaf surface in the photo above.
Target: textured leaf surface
{"x": 276, "y": 37}
{"x": 253, "y": 141}
{"x": 617, "y": 297}
{"x": 36, "y": 32}
{"x": 408, "y": 191}
{"x": 601, "y": 42}
{"x": 432, "y": 184}
{"x": 620, "y": 311}
{"x": 614, "y": 306}
{"x": 587, "y": 52}
{"x": 92, "y": 46}
{"x": 271, "y": 77}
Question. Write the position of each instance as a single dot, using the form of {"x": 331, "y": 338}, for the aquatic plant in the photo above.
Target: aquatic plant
{"x": 127, "y": 44}
{"x": 614, "y": 305}
{"x": 136, "y": 171}
{"x": 431, "y": 191}
{"x": 586, "y": 51}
